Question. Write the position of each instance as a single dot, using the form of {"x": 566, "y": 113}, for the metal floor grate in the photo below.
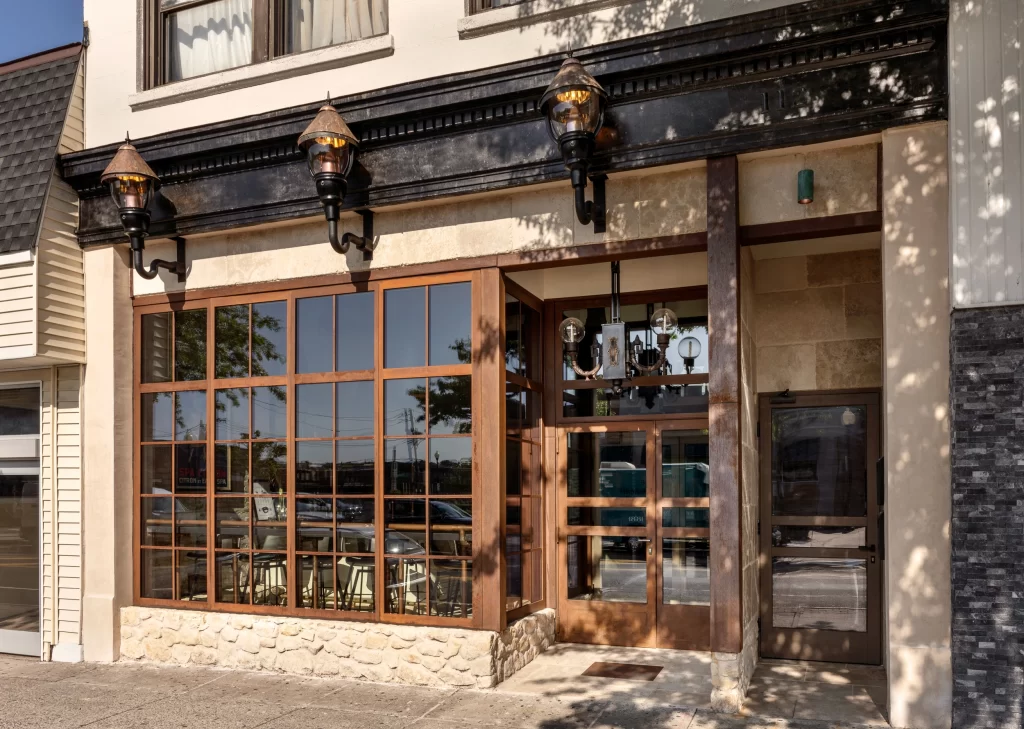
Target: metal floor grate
{"x": 631, "y": 671}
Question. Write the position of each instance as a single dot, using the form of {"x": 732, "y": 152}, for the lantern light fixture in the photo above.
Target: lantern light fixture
{"x": 133, "y": 185}
{"x": 330, "y": 148}
{"x": 574, "y": 104}
{"x": 689, "y": 350}
{"x": 805, "y": 187}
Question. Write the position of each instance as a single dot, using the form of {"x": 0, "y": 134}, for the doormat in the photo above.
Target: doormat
{"x": 631, "y": 671}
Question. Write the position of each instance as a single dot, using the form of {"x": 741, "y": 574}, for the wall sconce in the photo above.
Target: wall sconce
{"x": 805, "y": 187}
{"x": 330, "y": 149}
{"x": 689, "y": 350}
{"x": 574, "y": 105}
{"x": 132, "y": 184}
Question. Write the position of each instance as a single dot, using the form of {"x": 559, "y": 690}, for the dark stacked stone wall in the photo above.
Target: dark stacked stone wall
{"x": 987, "y": 382}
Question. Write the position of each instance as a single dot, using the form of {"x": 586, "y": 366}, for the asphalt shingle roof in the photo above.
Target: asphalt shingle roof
{"x": 33, "y": 105}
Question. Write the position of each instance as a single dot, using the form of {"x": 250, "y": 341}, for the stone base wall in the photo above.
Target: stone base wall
{"x": 731, "y": 674}
{"x": 381, "y": 652}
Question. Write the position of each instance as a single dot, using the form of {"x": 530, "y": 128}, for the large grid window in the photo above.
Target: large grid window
{"x": 338, "y": 426}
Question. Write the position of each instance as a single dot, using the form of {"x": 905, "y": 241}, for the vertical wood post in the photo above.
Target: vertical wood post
{"x": 489, "y": 456}
{"x": 724, "y": 407}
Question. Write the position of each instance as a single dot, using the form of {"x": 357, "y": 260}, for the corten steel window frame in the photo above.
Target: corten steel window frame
{"x": 484, "y": 521}
{"x": 553, "y": 392}
{"x": 268, "y": 41}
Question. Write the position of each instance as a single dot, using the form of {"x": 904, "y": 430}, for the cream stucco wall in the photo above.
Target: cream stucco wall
{"x": 426, "y": 43}
{"x": 915, "y": 254}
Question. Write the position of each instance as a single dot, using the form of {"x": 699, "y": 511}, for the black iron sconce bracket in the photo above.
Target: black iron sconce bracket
{"x": 178, "y": 266}
{"x": 591, "y": 211}
{"x": 365, "y": 243}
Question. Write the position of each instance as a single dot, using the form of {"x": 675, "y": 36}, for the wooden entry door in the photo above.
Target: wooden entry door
{"x": 821, "y": 569}
{"x": 633, "y": 535}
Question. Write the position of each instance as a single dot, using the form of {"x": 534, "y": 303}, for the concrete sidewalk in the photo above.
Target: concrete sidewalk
{"x": 61, "y": 696}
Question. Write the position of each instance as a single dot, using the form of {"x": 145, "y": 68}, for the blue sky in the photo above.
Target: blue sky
{"x": 30, "y": 26}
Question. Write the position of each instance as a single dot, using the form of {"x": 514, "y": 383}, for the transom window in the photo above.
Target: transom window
{"x": 189, "y": 38}
{"x": 310, "y": 452}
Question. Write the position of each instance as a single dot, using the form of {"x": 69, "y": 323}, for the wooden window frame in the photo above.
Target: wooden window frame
{"x": 379, "y": 375}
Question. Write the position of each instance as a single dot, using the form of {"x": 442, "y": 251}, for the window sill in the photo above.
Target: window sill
{"x": 300, "y": 64}
{"x": 527, "y": 13}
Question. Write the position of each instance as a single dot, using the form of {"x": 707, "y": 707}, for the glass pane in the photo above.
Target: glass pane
{"x": 233, "y": 572}
{"x": 269, "y": 414}
{"x": 191, "y": 575}
{"x": 270, "y": 517}
{"x": 355, "y": 459}
{"x": 529, "y": 349}
{"x": 156, "y": 522}
{"x": 270, "y": 468}
{"x": 355, "y": 525}
{"x": 513, "y": 514}
{"x": 405, "y": 586}
{"x": 310, "y": 25}
{"x": 232, "y": 523}
{"x": 819, "y": 537}
{"x": 513, "y": 581}
{"x": 451, "y": 467}
{"x": 607, "y": 569}
{"x": 190, "y": 345}
{"x": 681, "y": 517}
{"x": 191, "y": 468}
{"x": 314, "y": 462}
{"x": 819, "y": 461}
{"x": 404, "y": 406}
{"x": 19, "y": 573}
{"x": 207, "y": 38}
{"x": 452, "y": 584}
{"x": 608, "y": 465}
{"x": 156, "y": 348}
{"x": 450, "y": 405}
{"x": 270, "y": 579}
{"x": 355, "y": 331}
{"x": 685, "y": 570}
{"x": 316, "y": 580}
{"x": 405, "y": 466}
{"x": 515, "y": 409}
{"x": 233, "y": 414}
{"x": 513, "y": 467}
{"x": 19, "y": 411}
{"x": 155, "y": 469}
{"x": 356, "y": 584}
{"x": 157, "y": 574}
{"x": 451, "y": 527}
{"x": 190, "y": 523}
{"x": 451, "y": 311}
{"x": 315, "y": 525}
{"x": 190, "y": 415}
{"x": 405, "y": 524}
{"x": 826, "y": 594}
{"x": 354, "y": 413}
{"x": 232, "y": 464}
{"x": 512, "y": 342}
{"x": 314, "y": 410}
{"x": 314, "y": 325}
{"x": 270, "y": 339}
{"x": 405, "y": 342}
{"x": 648, "y": 400}
{"x": 606, "y": 516}
{"x": 531, "y": 422}
{"x": 157, "y": 416}
{"x": 684, "y": 464}
{"x": 231, "y": 338}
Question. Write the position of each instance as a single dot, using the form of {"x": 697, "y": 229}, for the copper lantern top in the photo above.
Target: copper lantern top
{"x": 328, "y": 128}
{"x": 128, "y": 164}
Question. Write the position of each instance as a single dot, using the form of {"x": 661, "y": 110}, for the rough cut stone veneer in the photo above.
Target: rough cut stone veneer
{"x": 374, "y": 651}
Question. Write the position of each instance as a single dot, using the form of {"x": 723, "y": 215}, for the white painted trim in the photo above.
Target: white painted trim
{"x": 16, "y": 258}
{"x": 297, "y": 64}
{"x": 20, "y": 642}
{"x": 67, "y": 653}
{"x": 527, "y": 13}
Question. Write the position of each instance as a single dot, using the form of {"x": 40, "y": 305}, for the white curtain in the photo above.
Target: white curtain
{"x": 209, "y": 38}
{"x": 319, "y": 23}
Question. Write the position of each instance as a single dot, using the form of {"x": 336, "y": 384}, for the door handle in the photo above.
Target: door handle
{"x": 644, "y": 541}
{"x": 868, "y": 548}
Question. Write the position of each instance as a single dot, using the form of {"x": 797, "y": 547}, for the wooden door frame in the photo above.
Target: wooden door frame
{"x": 809, "y": 643}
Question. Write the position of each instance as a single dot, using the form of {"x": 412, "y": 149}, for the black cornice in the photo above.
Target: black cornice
{"x": 808, "y": 72}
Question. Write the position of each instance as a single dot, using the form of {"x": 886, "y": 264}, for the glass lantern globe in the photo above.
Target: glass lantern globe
{"x": 689, "y": 348}
{"x": 572, "y": 330}
{"x": 329, "y": 144}
{"x": 663, "y": 321}
{"x": 131, "y": 181}
{"x": 574, "y": 102}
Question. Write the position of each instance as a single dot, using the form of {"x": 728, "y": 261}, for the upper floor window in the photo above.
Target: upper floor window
{"x": 197, "y": 37}
{"x": 478, "y": 6}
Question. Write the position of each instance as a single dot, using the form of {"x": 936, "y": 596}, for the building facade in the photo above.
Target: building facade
{"x": 404, "y": 467}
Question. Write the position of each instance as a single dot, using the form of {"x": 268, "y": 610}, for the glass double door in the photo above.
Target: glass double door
{"x": 634, "y": 535}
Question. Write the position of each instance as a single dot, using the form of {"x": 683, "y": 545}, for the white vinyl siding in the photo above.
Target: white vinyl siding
{"x": 61, "y": 292}
{"x": 17, "y": 310}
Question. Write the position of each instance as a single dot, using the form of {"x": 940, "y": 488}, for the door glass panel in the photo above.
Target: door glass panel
{"x": 686, "y": 576}
{"x": 19, "y": 564}
{"x": 405, "y": 327}
{"x": 608, "y": 465}
{"x": 314, "y": 327}
{"x": 606, "y": 516}
{"x": 450, "y": 324}
{"x": 606, "y": 569}
{"x": 675, "y": 516}
{"x": 269, "y": 338}
{"x": 819, "y": 461}
{"x": 825, "y": 594}
{"x": 844, "y": 537}
{"x": 354, "y": 321}
{"x": 684, "y": 464}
